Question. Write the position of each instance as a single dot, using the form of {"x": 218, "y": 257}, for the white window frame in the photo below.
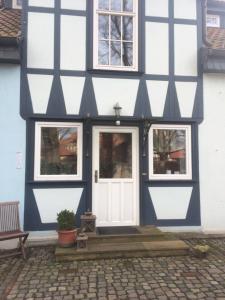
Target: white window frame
{"x": 188, "y": 175}
{"x": 37, "y": 152}
{"x": 16, "y": 5}
{"x": 96, "y": 12}
{"x": 216, "y": 17}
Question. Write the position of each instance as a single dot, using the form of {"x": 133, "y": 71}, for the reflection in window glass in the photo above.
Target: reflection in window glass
{"x": 127, "y": 54}
{"x": 103, "y": 27}
{"x": 116, "y": 53}
{"x": 58, "y": 151}
{"x": 127, "y": 28}
{"x": 115, "y": 155}
{"x": 128, "y": 5}
{"x": 115, "y": 27}
{"x": 103, "y": 4}
{"x": 103, "y": 52}
{"x": 116, "y": 5}
{"x": 169, "y": 151}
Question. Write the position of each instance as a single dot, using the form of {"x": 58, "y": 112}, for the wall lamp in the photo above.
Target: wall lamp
{"x": 117, "y": 108}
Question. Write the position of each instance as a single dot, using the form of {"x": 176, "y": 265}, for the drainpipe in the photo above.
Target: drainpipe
{"x": 204, "y": 27}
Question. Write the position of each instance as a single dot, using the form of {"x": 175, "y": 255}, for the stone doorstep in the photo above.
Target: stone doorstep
{"x": 116, "y": 250}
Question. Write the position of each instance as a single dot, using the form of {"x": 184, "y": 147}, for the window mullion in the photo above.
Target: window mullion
{"x": 110, "y": 39}
{"x": 121, "y": 41}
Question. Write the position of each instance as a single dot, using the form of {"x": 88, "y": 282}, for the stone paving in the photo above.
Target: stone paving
{"x": 140, "y": 278}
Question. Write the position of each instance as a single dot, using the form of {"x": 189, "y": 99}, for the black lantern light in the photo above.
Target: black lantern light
{"x": 117, "y": 108}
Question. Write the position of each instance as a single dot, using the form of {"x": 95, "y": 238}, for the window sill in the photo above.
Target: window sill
{"x": 56, "y": 181}
{"x": 115, "y": 72}
{"x": 172, "y": 181}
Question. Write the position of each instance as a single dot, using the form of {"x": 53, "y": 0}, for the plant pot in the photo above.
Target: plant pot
{"x": 67, "y": 238}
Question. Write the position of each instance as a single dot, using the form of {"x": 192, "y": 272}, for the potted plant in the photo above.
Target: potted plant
{"x": 201, "y": 251}
{"x": 67, "y": 233}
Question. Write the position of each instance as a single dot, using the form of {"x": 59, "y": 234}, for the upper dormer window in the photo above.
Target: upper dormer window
{"x": 213, "y": 21}
{"x": 115, "y": 34}
{"x": 17, "y": 4}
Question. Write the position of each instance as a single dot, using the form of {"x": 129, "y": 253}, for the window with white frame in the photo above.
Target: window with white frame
{"x": 17, "y": 4}
{"x": 213, "y": 20}
{"x": 170, "y": 152}
{"x": 116, "y": 34}
{"x": 58, "y": 151}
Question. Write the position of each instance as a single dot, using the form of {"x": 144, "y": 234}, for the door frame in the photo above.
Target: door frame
{"x": 135, "y": 145}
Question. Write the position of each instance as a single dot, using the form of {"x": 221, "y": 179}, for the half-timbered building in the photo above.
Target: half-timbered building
{"x": 112, "y": 95}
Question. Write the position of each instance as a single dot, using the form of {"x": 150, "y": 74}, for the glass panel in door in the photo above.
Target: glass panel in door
{"x": 115, "y": 155}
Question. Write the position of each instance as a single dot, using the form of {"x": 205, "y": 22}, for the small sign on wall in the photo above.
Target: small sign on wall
{"x": 19, "y": 160}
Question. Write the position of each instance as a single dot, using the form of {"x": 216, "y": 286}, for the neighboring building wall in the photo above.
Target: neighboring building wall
{"x": 212, "y": 155}
{"x": 12, "y": 137}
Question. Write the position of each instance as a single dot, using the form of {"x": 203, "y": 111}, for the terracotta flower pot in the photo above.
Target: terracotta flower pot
{"x": 67, "y": 238}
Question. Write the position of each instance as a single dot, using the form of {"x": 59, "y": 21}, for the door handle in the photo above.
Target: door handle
{"x": 96, "y": 176}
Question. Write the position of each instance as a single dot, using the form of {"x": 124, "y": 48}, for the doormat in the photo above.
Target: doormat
{"x": 117, "y": 230}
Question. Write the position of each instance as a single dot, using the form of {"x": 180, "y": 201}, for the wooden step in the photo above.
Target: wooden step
{"x": 146, "y": 234}
{"x": 123, "y": 250}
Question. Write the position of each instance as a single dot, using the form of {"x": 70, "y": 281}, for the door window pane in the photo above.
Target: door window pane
{"x": 115, "y": 155}
{"x": 169, "y": 151}
{"x": 58, "y": 151}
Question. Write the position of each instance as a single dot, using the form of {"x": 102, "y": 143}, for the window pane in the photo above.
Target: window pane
{"x": 103, "y": 4}
{"x": 116, "y": 5}
{"x": 115, "y": 155}
{"x": 58, "y": 151}
{"x": 116, "y": 53}
{"x": 103, "y": 53}
{"x": 103, "y": 24}
{"x": 127, "y": 58}
{"x": 115, "y": 27}
{"x": 127, "y": 28}
{"x": 169, "y": 151}
{"x": 128, "y": 5}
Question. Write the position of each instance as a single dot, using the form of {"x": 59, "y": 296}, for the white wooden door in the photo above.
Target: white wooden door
{"x": 115, "y": 184}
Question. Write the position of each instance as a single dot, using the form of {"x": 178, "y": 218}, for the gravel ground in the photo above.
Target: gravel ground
{"x": 40, "y": 277}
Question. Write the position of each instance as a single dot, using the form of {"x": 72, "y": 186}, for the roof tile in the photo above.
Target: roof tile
{"x": 10, "y": 22}
{"x": 216, "y": 36}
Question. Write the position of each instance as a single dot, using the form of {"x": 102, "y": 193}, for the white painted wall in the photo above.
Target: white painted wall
{"x": 185, "y": 9}
{"x": 40, "y": 40}
{"x": 40, "y": 88}
{"x": 157, "y": 46}
{"x": 52, "y": 201}
{"x": 42, "y": 3}
{"x": 156, "y": 8}
{"x": 109, "y": 91}
{"x": 185, "y": 47}
{"x": 212, "y": 155}
{"x": 171, "y": 203}
{"x": 186, "y": 92}
{"x": 72, "y": 91}
{"x": 77, "y": 4}
{"x": 73, "y": 43}
{"x": 157, "y": 91}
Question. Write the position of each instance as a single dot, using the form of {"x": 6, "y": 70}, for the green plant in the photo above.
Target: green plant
{"x": 201, "y": 248}
{"x": 66, "y": 220}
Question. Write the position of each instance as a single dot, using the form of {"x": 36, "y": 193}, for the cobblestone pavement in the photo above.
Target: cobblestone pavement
{"x": 140, "y": 278}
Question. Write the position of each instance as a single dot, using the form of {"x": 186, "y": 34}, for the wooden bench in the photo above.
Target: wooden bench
{"x": 10, "y": 227}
